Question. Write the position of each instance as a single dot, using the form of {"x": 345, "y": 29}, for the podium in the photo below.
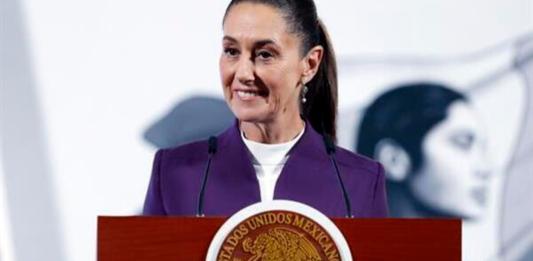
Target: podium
{"x": 188, "y": 238}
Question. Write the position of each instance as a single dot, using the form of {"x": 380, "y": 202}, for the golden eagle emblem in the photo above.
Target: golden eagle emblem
{"x": 281, "y": 244}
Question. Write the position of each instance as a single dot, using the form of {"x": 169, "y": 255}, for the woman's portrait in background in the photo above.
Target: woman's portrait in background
{"x": 433, "y": 147}
{"x": 464, "y": 150}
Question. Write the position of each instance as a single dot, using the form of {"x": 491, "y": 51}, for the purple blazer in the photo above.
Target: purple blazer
{"x": 308, "y": 177}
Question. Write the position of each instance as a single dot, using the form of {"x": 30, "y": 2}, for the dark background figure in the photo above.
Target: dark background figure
{"x": 432, "y": 146}
{"x": 194, "y": 118}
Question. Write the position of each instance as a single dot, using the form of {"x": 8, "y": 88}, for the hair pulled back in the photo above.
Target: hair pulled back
{"x": 320, "y": 109}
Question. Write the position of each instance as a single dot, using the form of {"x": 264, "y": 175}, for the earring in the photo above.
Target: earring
{"x": 304, "y": 92}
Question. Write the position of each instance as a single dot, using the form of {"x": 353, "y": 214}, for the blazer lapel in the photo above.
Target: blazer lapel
{"x": 232, "y": 183}
{"x": 309, "y": 176}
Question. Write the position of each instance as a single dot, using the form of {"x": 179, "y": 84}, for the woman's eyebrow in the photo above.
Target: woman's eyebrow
{"x": 264, "y": 42}
{"x": 229, "y": 38}
{"x": 258, "y": 43}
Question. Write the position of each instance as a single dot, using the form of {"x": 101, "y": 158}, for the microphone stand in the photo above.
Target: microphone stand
{"x": 212, "y": 149}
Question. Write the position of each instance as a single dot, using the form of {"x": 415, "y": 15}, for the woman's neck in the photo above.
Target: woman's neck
{"x": 278, "y": 131}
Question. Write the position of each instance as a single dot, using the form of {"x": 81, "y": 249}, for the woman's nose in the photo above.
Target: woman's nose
{"x": 245, "y": 71}
{"x": 484, "y": 166}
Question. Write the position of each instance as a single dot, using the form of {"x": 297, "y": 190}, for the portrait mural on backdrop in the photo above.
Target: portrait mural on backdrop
{"x": 451, "y": 149}
{"x": 434, "y": 131}
{"x": 432, "y": 145}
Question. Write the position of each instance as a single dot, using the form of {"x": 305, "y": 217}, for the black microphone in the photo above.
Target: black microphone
{"x": 330, "y": 149}
{"x": 211, "y": 150}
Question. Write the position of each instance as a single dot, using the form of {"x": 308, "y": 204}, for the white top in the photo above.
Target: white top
{"x": 268, "y": 161}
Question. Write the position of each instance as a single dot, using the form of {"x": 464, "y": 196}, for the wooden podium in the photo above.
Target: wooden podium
{"x": 188, "y": 238}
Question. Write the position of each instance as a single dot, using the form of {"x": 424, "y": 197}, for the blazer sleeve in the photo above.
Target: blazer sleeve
{"x": 153, "y": 204}
{"x": 380, "y": 205}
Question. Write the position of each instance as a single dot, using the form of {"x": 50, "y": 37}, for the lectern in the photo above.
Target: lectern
{"x": 188, "y": 238}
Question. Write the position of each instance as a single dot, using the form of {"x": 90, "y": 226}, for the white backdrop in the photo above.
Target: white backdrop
{"x": 105, "y": 70}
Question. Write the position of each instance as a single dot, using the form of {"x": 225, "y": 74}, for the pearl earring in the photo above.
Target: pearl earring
{"x": 304, "y": 92}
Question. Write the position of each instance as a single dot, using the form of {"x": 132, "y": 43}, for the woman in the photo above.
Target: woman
{"x": 432, "y": 145}
{"x": 279, "y": 79}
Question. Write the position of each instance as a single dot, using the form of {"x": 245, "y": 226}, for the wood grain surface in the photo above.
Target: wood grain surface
{"x": 188, "y": 238}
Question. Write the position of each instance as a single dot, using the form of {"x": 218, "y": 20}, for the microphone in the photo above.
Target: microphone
{"x": 330, "y": 149}
{"x": 211, "y": 150}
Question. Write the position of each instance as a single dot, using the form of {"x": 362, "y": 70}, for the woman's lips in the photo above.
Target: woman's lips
{"x": 248, "y": 94}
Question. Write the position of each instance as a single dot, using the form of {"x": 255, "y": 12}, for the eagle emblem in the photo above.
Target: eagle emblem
{"x": 281, "y": 244}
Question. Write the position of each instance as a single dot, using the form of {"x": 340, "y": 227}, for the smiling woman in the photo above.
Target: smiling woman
{"x": 262, "y": 72}
{"x": 269, "y": 61}
{"x": 279, "y": 78}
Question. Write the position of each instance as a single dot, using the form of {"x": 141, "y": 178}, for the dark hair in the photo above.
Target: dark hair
{"x": 302, "y": 19}
{"x": 405, "y": 115}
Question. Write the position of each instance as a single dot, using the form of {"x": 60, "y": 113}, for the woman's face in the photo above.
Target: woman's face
{"x": 454, "y": 176}
{"x": 261, "y": 66}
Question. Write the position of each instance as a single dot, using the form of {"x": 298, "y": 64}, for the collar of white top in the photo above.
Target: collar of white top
{"x": 270, "y": 154}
